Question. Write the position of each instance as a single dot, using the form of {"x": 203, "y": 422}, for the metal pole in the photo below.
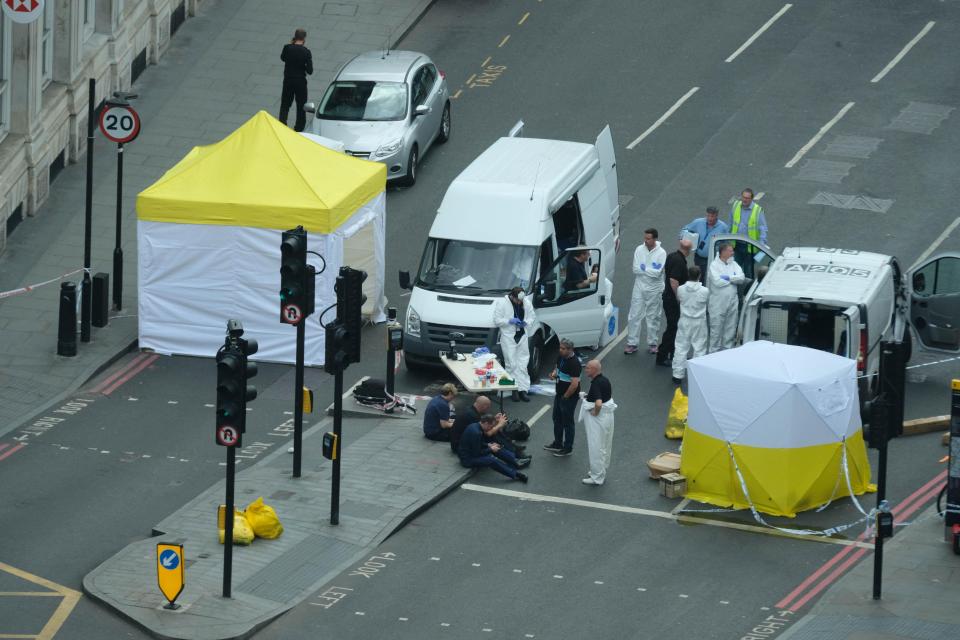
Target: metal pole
{"x": 391, "y": 358}
{"x": 337, "y": 424}
{"x": 878, "y": 539}
{"x": 228, "y": 523}
{"x": 85, "y": 295}
{"x": 117, "y": 250}
{"x": 298, "y": 400}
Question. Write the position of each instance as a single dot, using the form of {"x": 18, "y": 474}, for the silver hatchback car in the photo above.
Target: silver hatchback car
{"x": 388, "y": 106}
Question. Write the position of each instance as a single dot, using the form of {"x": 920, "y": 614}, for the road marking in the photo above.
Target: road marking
{"x": 130, "y": 365}
{"x": 607, "y": 349}
{"x": 60, "y": 614}
{"x": 558, "y": 577}
{"x": 680, "y": 507}
{"x": 897, "y": 58}
{"x": 758, "y": 33}
{"x": 504, "y": 41}
{"x": 486, "y": 62}
{"x": 936, "y": 243}
{"x": 7, "y": 454}
{"x": 815, "y": 139}
{"x": 663, "y": 118}
{"x": 524, "y": 18}
{"x": 129, "y": 374}
{"x": 640, "y": 589}
{"x": 457, "y": 94}
{"x": 538, "y": 415}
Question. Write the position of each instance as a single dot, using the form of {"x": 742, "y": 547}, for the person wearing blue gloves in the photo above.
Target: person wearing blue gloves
{"x": 725, "y": 275}
{"x": 515, "y": 317}
{"x": 646, "y": 303}
{"x": 704, "y": 228}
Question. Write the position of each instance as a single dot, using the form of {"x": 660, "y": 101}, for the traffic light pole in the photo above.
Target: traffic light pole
{"x": 881, "y": 499}
{"x": 228, "y": 523}
{"x": 298, "y": 400}
{"x": 337, "y": 424}
{"x": 117, "y": 250}
{"x": 86, "y": 306}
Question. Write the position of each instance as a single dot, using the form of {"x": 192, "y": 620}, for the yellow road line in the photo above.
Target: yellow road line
{"x": 63, "y": 610}
{"x": 504, "y": 41}
{"x": 42, "y": 594}
{"x": 17, "y": 635}
{"x": 59, "y": 617}
{"x": 524, "y": 18}
{"x": 43, "y": 582}
{"x": 457, "y": 94}
{"x": 471, "y": 79}
{"x": 486, "y": 62}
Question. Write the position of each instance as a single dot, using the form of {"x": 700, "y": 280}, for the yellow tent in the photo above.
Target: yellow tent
{"x": 209, "y": 235}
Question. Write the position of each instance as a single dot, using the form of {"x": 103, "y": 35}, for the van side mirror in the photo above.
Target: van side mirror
{"x": 405, "y": 280}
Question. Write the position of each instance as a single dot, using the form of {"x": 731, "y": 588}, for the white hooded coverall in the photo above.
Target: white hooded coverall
{"x": 516, "y": 355}
{"x": 599, "y": 430}
{"x": 724, "y": 302}
{"x": 647, "y": 300}
{"x": 692, "y": 328}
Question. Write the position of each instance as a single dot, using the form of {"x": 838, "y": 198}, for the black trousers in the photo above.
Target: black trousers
{"x": 671, "y": 309}
{"x": 702, "y": 263}
{"x": 294, "y": 89}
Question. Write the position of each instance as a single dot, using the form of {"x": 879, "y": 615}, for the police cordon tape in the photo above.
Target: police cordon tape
{"x": 31, "y": 287}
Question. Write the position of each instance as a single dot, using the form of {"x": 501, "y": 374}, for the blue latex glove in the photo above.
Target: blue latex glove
{"x": 656, "y": 265}
{"x": 516, "y": 322}
{"x": 643, "y": 267}
{"x": 725, "y": 278}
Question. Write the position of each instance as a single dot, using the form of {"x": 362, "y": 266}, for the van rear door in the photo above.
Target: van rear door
{"x": 850, "y": 340}
{"x": 608, "y": 165}
{"x": 934, "y": 288}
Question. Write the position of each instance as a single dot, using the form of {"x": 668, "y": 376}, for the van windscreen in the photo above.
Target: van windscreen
{"x": 475, "y": 267}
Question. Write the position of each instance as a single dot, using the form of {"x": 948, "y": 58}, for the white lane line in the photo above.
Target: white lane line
{"x": 815, "y": 139}
{"x": 759, "y": 32}
{"x": 607, "y": 349}
{"x": 666, "y": 515}
{"x": 663, "y": 118}
{"x": 538, "y": 414}
{"x": 680, "y": 507}
{"x": 936, "y": 243}
{"x": 897, "y": 58}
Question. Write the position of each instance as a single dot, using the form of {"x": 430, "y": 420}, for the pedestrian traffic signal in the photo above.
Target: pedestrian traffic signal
{"x": 335, "y": 356}
{"x": 350, "y": 301}
{"x": 293, "y": 276}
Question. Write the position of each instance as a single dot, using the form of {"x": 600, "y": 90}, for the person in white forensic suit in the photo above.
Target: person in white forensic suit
{"x": 725, "y": 275}
{"x": 514, "y": 315}
{"x": 596, "y": 414}
{"x": 692, "y": 328}
{"x": 646, "y": 304}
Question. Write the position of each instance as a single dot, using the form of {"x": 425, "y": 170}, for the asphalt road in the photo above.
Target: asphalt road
{"x": 487, "y": 564}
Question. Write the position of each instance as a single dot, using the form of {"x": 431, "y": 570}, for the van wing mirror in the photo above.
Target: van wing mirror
{"x": 405, "y": 280}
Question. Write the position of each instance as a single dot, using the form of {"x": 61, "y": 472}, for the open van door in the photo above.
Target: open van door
{"x": 934, "y": 288}
{"x": 568, "y": 297}
{"x": 608, "y": 165}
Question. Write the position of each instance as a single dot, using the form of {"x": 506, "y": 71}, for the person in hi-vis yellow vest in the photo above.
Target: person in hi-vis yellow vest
{"x": 747, "y": 219}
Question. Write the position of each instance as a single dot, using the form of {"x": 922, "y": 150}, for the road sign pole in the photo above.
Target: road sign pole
{"x": 85, "y": 295}
{"x": 228, "y": 523}
{"x": 117, "y": 250}
{"x": 337, "y": 424}
{"x": 881, "y": 495}
{"x": 298, "y": 399}
{"x": 952, "y": 516}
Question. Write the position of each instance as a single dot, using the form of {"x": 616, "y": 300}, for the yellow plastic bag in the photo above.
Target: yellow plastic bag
{"x": 242, "y": 531}
{"x": 677, "y": 418}
{"x": 263, "y": 519}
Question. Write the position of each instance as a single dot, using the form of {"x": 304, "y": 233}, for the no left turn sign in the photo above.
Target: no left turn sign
{"x": 119, "y": 123}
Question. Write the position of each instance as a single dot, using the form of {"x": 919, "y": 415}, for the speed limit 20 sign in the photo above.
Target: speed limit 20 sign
{"x": 119, "y": 123}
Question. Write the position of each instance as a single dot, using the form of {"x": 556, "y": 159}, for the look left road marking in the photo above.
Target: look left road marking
{"x": 906, "y": 49}
{"x": 60, "y": 614}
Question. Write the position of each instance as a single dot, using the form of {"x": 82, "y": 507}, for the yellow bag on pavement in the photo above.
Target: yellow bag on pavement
{"x": 263, "y": 519}
{"x": 242, "y": 531}
{"x": 677, "y": 418}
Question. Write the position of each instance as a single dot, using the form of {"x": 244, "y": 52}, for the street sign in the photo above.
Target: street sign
{"x": 23, "y": 11}
{"x": 228, "y": 436}
{"x": 119, "y": 123}
{"x": 292, "y": 314}
{"x": 170, "y": 571}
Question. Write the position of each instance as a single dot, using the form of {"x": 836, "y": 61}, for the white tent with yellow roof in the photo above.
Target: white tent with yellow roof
{"x": 209, "y": 236}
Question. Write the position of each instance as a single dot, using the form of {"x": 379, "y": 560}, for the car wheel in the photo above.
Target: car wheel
{"x": 536, "y": 358}
{"x": 444, "y": 133}
{"x": 411, "y": 178}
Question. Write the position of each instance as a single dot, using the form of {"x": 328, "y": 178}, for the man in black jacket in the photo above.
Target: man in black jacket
{"x": 298, "y": 64}
{"x": 475, "y": 452}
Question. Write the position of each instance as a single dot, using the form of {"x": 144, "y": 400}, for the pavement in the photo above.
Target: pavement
{"x": 920, "y": 593}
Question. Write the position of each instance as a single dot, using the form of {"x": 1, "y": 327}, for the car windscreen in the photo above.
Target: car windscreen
{"x": 360, "y": 100}
{"x": 475, "y": 267}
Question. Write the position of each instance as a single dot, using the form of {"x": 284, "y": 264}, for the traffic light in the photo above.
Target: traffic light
{"x": 335, "y": 357}
{"x": 293, "y": 276}
{"x": 233, "y": 392}
{"x": 350, "y": 301}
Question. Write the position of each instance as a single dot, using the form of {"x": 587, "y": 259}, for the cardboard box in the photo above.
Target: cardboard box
{"x": 673, "y": 485}
{"x": 666, "y": 462}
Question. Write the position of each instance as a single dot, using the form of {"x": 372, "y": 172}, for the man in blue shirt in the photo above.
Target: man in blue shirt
{"x": 439, "y": 416}
{"x": 704, "y": 227}
{"x": 475, "y": 451}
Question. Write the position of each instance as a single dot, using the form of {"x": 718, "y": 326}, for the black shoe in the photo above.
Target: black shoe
{"x": 522, "y": 463}
{"x": 676, "y": 380}
{"x": 520, "y": 451}
{"x": 515, "y": 396}
{"x": 522, "y": 477}
{"x": 665, "y": 363}
{"x": 524, "y": 396}
{"x": 553, "y": 447}
{"x": 563, "y": 453}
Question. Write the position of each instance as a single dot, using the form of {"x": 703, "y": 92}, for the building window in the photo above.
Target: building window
{"x": 46, "y": 44}
{"x": 89, "y": 17}
{"x": 5, "y": 60}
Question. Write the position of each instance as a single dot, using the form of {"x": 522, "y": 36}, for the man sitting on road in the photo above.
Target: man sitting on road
{"x": 475, "y": 452}
{"x": 480, "y": 406}
{"x": 439, "y": 415}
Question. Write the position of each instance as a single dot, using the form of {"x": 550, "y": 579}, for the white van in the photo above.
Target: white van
{"x": 848, "y": 302}
{"x": 515, "y": 217}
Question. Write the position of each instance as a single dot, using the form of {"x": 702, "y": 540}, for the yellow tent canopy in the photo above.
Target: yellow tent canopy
{"x": 263, "y": 175}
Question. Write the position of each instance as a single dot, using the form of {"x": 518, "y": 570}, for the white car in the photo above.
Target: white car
{"x": 387, "y": 106}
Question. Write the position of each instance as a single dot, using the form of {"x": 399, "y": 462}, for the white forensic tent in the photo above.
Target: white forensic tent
{"x": 209, "y": 233}
{"x": 778, "y": 422}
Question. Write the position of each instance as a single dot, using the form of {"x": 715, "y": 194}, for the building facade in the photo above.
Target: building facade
{"x": 45, "y": 67}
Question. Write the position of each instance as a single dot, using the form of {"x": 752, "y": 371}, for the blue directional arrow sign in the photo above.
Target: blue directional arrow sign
{"x": 170, "y": 570}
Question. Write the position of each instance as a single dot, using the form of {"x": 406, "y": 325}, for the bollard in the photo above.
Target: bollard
{"x": 101, "y": 300}
{"x": 67, "y": 335}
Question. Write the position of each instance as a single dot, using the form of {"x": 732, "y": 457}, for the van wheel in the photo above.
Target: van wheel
{"x": 411, "y": 178}
{"x": 536, "y": 358}
{"x": 413, "y": 366}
